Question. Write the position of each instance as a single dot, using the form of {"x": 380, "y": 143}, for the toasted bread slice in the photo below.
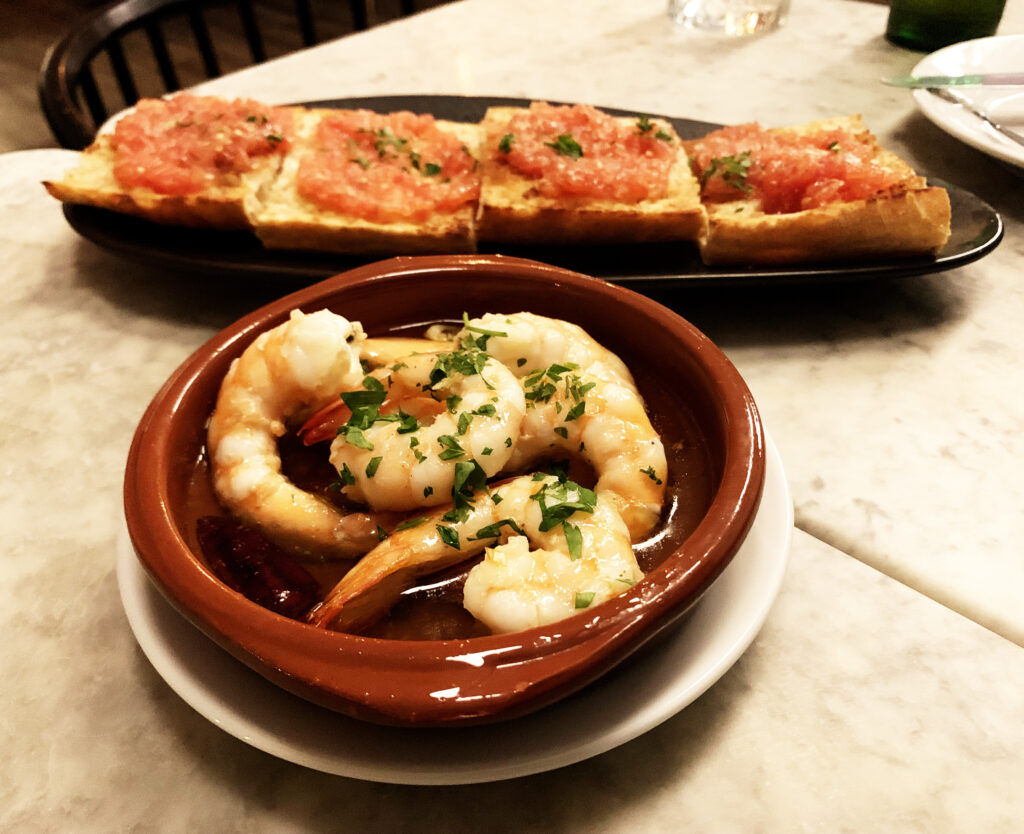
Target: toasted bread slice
{"x": 907, "y": 217}
{"x": 513, "y": 210}
{"x": 224, "y": 202}
{"x": 288, "y": 220}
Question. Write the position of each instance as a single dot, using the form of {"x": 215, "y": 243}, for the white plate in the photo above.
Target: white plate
{"x": 1003, "y": 53}
{"x": 643, "y": 692}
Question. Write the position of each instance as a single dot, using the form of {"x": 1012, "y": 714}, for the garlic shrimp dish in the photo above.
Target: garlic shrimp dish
{"x": 446, "y": 480}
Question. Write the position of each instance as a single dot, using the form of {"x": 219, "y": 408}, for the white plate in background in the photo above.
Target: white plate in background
{"x": 1003, "y": 53}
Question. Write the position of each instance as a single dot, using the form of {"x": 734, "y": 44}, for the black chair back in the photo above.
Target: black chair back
{"x": 103, "y": 64}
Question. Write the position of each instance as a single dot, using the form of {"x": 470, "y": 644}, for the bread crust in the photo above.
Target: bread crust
{"x": 511, "y": 211}
{"x": 909, "y": 219}
{"x": 226, "y": 205}
{"x": 286, "y": 220}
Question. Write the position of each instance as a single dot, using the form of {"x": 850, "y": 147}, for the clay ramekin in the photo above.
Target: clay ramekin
{"x": 447, "y": 683}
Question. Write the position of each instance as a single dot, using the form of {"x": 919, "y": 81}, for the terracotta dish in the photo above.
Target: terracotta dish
{"x": 697, "y": 401}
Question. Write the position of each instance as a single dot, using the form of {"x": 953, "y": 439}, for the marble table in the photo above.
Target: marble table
{"x": 884, "y": 692}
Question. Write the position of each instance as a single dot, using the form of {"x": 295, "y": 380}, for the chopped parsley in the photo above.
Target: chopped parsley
{"x": 565, "y": 145}
{"x": 573, "y": 540}
{"x": 409, "y": 523}
{"x": 449, "y": 535}
{"x": 732, "y": 169}
{"x": 505, "y": 145}
{"x": 469, "y": 479}
{"x": 373, "y": 465}
{"x": 407, "y": 424}
{"x": 466, "y": 361}
{"x": 450, "y": 447}
{"x": 386, "y": 140}
{"x": 492, "y": 531}
{"x": 472, "y": 328}
{"x": 584, "y": 599}
{"x": 650, "y": 473}
{"x": 560, "y": 499}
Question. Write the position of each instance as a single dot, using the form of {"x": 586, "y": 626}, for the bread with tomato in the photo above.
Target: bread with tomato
{"x": 184, "y": 160}
{"x": 357, "y": 181}
{"x": 574, "y": 174}
{"x": 824, "y": 191}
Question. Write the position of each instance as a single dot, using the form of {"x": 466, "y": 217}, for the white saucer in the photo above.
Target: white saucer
{"x": 1004, "y": 53}
{"x": 642, "y": 693}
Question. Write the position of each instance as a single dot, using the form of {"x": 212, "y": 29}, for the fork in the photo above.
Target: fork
{"x": 974, "y": 110}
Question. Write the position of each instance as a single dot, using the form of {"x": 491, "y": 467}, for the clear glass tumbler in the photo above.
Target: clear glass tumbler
{"x": 734, "y": 18}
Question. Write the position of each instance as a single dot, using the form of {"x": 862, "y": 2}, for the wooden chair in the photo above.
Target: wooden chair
{"x": 116, "y": 52}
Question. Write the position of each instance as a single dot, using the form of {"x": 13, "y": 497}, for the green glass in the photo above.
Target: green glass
{"x": 926, "y": 25}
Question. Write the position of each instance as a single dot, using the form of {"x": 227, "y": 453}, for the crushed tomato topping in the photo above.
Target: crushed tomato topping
{"x": 580, "y": 151}
{"x": 387, "y": 168}
{"x": 789, "y": 172}
{"x": 184, "y": 143}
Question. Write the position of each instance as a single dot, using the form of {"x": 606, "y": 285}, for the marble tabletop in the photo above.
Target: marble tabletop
{"x": 885, "y": 690}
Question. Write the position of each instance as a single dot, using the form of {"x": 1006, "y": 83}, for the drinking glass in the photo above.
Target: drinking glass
{"x": 729, "y": 17}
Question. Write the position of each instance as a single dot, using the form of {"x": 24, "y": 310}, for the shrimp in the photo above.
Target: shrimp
{"x": 526, "y": 342}
{"x": 515, "y": 588}
{"x": 466, "y": 410}
{"x": 286, "y": 372}
{"x": 581, "y": 398}
{"x": 584, "y": 557}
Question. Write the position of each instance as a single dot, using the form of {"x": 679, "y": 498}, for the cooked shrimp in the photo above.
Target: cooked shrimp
{"x": 526, "y": 342}
{"x": 456, "y": 412}
{"x": 585, "y": 557}
{"x": 582, "y": 399}
{"x": 515, "y": 588}
{"x": 285, "y": 373}
{"x": 386, "y": 350}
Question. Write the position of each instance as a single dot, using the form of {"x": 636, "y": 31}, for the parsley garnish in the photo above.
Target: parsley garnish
{"x": 409, "y": 523}
{"x": 560, "y": 499}
{"x": 505, "y": 145}
{"x": 449, "y": 535}
{"x": 387, "y": 139}
{"x": 584, "y": 599}
{"x": 407, "y": 424}
{"x": 573, "y": 540}
{"x": 451, "y": 448}
{"x": 373, "y": 465}
{"x": 467, "y": 362}
{"x": 565, "y": 145}
{"x": 469, "y": 479}
{"x": 644, "y": 125}
{"x": 492, "y": 531}
{"x": 472, "y": 328}
{"x": 732, "y": 169}
{"x": 650, "y": 473}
